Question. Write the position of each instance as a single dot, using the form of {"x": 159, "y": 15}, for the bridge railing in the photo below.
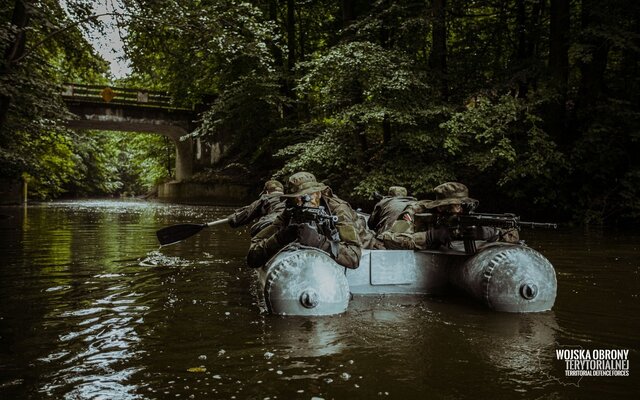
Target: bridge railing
{"x": 114, "y": 95}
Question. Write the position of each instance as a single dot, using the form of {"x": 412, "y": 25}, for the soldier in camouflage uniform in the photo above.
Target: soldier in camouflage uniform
{"x": 345, "y": 250}
{"x": 451, "y": 198}
{"x": 387, "y": 211}
{"x": 267, "y": 207}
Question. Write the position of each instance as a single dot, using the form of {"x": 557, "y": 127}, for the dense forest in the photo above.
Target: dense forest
{"x": 531, "y": 103}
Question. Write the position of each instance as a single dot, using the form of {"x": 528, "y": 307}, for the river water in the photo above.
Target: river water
{"x": 91, "y": 308}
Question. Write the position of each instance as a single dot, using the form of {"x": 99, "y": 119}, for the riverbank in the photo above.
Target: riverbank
{"x": 222, "y": 193}
{"x": 11, "y": 192}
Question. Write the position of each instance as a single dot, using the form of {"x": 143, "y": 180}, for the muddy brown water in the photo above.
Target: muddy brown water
{"x": 90, "y": 308}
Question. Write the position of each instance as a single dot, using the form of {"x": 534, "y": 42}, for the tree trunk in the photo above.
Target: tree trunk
{"x": 290, "y": 109}
{"x": 386, "y": 130}
{"x": 302, "y": 37}
{"x": 360, "y": 133}
{"x": 291, "y": 35}
{"x": 15, "y": 50}
{"x": 593, "y": 69}
{"x": 533, "y": 42}
{"x": 348, "y": 12}
{"x": 360, "y": 128}
{"x": 273, "y": 16}
{"x": 385, "y": 42}
{"x": 438, "y": 56}
{"x": 559, "y": 45}
{"x": 385, "y": 32}
{"x": 558, "y": 67}
{"x": 278, "y": 57}
{"x": 521, "y": 49}
{"x": 303, "y": 104}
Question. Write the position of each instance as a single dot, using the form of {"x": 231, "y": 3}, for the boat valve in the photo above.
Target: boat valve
{"x": 309, "y": 298}
{"x": 528, "y": 291}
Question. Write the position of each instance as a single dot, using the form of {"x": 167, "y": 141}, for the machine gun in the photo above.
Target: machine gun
{"x": 464, "y": 225}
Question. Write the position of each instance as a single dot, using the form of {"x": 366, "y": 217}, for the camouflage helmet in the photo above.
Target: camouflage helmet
{"x": 302, "y": 183}
{"x": 452, "y": 193}
{"x": 272, "y": 186}
{"x": 397, "y": 191}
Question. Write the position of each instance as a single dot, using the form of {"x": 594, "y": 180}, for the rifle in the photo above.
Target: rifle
{"x": 317, "y": 217}
{"x": 304, "y": 214}
{"x": 462, "y": 225}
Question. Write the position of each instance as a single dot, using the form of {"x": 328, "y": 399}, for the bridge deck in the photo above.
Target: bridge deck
{"x": 124, "y": 96}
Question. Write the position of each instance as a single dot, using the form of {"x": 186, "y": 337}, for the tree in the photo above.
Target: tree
{"x": 32, "y": 133}
{"x": 219, "y": 50}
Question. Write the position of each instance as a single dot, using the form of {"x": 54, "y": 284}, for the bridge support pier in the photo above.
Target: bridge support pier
{"x": 184, "y": 153}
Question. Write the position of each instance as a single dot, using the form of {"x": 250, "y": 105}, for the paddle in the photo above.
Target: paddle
{"x": 176, "y": 233}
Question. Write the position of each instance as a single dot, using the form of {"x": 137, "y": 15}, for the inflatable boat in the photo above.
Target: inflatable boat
{"x": 505, "y": 277}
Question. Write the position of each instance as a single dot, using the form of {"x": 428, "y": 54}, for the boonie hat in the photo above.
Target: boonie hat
{"x": 397, "y": 191}
{"x": 272, "y": 186}
{"x": 302, "y": 183}
{"x": 451, "y": 193}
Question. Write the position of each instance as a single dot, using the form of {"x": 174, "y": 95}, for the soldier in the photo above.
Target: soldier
{"x": 304, "y": 190}
{"x": 387, "y": 211}
{"x": 267, "y": 207}
{"x": 451, "y": 198}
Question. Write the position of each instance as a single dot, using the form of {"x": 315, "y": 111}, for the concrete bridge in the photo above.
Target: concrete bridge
{"x": 134, "y": 110}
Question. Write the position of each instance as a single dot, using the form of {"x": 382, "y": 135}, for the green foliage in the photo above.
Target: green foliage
{"x": 525, "y": 119}
{"x": 56, "y": 166}
{"x": 604, "y": 175}
{"x": 32, "y": 134}
{"x": 218, "y": 50}
{"x": 531, "y": 147}
{"x": 502, "y": 137}
{"x": 150, "y": 157}
{"x": 96, "y": 165}
{"x": 114, "y": 163}
{"x": 352, "y": 93}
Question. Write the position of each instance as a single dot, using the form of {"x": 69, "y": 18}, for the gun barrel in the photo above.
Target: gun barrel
{"x": 545, "y": 225}
{"x": 501, "y": 221}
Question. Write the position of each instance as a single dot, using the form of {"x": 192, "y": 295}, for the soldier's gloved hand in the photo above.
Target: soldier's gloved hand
{"x": 285, "y": 215}
{"x": 438, "y": 236}
{"x": 308, "y": 236}
{"x": 485, "y": 233}
{"x": 287, "y": 234}
{"x": 509, "y": 235}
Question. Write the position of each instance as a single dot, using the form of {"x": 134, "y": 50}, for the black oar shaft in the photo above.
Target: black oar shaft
{"x": 176, "y": 233}
{"x": 218, "y": 222}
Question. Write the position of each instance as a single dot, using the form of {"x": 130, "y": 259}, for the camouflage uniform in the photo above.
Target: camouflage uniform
{"x": 387, "y": 211}
{"x": 404, "y": 234}
{"x": 346, "y": 251}
{"x": 368, "y": 237}
{"x": 267, "y": 207}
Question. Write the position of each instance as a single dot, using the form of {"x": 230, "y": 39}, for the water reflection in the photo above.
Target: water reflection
{"x": 105, "y": 338}
{"x": 520, "y": 346}
{"x": 307, "y": 337}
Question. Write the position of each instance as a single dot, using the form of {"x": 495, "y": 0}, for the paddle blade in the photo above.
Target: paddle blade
{"x": 175, "y": 233}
